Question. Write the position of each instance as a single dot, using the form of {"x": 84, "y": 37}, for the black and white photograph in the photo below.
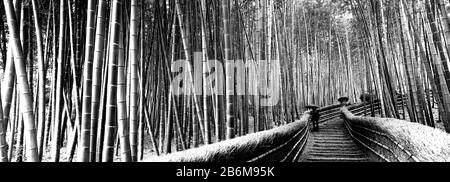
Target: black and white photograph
{"x": 252, "y": 82}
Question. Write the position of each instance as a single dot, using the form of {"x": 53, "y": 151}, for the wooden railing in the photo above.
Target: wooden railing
{"x": 331, "y": 112}
{"x": 393, "y": 140}
{"x": 334, "y": 111}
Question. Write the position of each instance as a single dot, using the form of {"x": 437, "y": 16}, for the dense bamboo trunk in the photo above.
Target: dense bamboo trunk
{"x": 229, "y": 91}
{"x": 10, "y": 71}
{"x": 205, "y": 68}
{"x": 123, "y": 125}
{"x": 87, "y": 84}
{"x": 27, "y": 105}
{"x": 111, "y": 100}
{"x": 56, "y": 138}
{"x": 99, "y": 49}
{"x": 40, "y": 56}
{"x": 445, "y": 23}
{"x": 3, "y": 142}
{"x": 134, "y": 95}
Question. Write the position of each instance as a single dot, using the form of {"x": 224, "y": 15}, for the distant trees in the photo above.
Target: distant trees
{"x": 409, "y": 35}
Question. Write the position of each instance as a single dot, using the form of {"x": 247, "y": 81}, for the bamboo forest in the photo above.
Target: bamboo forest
{"x": 133, "y": 80}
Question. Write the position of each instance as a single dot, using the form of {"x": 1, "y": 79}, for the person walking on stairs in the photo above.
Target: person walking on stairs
{"x": 315, "y": 116}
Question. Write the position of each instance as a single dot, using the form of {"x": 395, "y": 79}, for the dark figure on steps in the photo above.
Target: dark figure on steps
{"x": 315, "y": 116}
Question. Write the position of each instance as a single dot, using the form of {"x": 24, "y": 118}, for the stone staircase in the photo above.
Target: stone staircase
{"x": 332, "y": 143}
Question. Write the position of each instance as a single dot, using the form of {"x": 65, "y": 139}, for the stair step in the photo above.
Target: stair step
{"x": 324, "y": 140}
{"x": 332, "y": 136}
{"x": 337, "y": 155}
{"x": 342, "y": 144}
{"x": 329, "y": 130}
{"x": 336, "y": 160}
{"x": 343, "y": 155}
{"x": 332, "y": 143}
{"x": 338, "y": 146}
{"x": 335, "y": 152}
{"x": 335, "y": 141}
{"x": 332, "y": 140}
{"x": 334, "y": 148}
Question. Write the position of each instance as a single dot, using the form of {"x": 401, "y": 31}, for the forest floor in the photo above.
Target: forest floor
{"x": 148, "y": 152}
{"x": 439, "y": 124}
{"x": 437, "y": 121}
